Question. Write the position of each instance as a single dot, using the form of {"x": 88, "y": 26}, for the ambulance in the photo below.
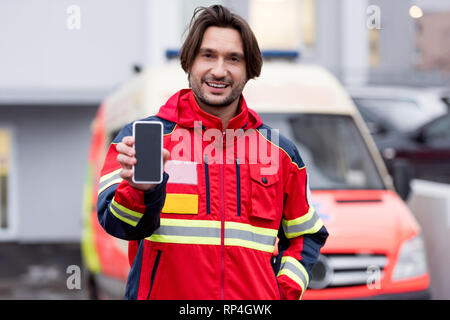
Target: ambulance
{"x": 375, "y": 249}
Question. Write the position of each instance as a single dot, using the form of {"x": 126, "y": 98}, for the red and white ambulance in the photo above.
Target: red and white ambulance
{"x": 374, "y": 250}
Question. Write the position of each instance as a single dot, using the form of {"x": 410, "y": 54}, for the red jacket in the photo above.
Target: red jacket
{"x": 209, "y": 230}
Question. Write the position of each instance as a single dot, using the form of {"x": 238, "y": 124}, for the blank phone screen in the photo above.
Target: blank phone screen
{"x": 148, "y": 146}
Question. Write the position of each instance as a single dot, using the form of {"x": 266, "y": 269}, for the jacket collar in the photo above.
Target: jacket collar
{"x": 183, "y": 109}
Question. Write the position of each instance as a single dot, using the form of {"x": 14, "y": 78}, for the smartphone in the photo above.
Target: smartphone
{"x": 148, "y": 144}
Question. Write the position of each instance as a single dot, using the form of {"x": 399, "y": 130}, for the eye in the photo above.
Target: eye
{"x": 207, "y": 55}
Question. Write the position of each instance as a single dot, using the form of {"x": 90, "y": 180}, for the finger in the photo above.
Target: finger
{"x": 128, "y": 140}
{"x": 125, "y": 149}
{"x": 166, "y": 155}
{"x": 126, "y": 174}
{"x": 125, "y": 161}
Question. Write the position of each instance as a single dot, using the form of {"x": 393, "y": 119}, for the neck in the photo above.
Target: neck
{"x": 225, "y": 113}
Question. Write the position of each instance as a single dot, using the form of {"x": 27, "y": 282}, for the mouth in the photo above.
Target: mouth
{"x": 216, "y": 85}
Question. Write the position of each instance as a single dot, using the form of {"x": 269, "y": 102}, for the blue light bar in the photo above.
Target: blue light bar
{"x": 267, "y": 54}
{"x": 282, "y": 54}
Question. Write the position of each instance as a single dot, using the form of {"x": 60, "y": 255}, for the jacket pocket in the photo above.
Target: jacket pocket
{"x": 154, "y": 270}
{"x": 263, "y": 193}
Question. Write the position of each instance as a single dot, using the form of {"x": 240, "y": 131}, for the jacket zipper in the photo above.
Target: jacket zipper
{"x": 238, "y": 187}
{"x": 222, "y": 232}
{"x": 155, "y": 267}
{"x": 208, "y": 204}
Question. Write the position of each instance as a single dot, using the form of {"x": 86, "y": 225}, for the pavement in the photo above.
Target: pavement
{"x": 41, "y": 272}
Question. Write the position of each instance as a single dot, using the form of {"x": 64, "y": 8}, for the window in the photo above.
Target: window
{"x": 439, "y": 129}
{"x": 390, "y": 113}
{"x": 276, "y": 24}
{"x": 308, "y": 21}
{"x": 5, "y": 165}
{"x": 332, "y": 149}
{"x": 374, "y": 47}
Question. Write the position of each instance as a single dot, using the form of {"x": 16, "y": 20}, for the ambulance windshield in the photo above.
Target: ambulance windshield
{"x": 332, "y": 149}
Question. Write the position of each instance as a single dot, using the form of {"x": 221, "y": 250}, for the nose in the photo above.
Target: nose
{"x": 219, "y": 70}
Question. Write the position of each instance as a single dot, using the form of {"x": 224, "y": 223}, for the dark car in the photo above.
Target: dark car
{"x": 411, "y": 129}
{"x": 422, "y": 153}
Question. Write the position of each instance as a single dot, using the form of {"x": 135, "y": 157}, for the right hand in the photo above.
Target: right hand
{"x": 127, "y": 160}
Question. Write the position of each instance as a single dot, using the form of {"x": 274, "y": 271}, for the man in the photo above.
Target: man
{"x": 209, "y": 230}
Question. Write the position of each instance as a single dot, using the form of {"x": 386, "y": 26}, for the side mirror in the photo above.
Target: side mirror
{"x": 420, "y": 136}
{"x": 402, "y": 174}
{"x": 375, "y": 128}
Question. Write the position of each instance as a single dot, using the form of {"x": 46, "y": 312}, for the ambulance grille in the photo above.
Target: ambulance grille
{"x": 345, "y": 270}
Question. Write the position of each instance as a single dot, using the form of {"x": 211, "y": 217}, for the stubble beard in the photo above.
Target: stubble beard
{"x": 199, "y": 94}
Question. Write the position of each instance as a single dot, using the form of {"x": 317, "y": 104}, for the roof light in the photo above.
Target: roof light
{"x": 415, "y": 12}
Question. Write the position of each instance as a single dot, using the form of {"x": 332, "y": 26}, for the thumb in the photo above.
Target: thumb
{"x": 166, "y": 155}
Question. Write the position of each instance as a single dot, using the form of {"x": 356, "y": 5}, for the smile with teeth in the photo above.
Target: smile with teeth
{"x": 216, "y": 85}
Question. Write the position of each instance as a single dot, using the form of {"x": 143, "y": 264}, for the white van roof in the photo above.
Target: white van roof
{"x": 282, "y": 87}
{"x": 297, "y": 88}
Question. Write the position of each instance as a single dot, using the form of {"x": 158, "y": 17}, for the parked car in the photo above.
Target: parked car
{"x": 374, "y": 250}
{"x": 398, "y": 109}
{"x": 409, "y": 126}
{"x": 426, "y": 150}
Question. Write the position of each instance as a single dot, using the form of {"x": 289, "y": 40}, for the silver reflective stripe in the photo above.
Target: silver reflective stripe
{"x": 250, "y": 236}
{"x": 298, "y": 228}
{"x": 124, "y": 214}
{"x": 209, "y": 232}
{"x": 287, "y": 265}
{"x": 109, "y": 180}
{"x": 188, "y": 231}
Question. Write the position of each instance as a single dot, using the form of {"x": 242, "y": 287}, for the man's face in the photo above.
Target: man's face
{"x": 218, "y": 74}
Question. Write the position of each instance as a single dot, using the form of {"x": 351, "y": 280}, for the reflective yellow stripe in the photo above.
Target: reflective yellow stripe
{"x": 108, "y": 180}
{"x": 250, "y": 228}
{"x": 307, "y": 224}
{"x": 124, "y": 214}
{"x": 249, "y": 244}
{"x": 186, "y": 231}
{"x": 292, "y": 268}
{"x": 109, "y": 184}
{"x": 301, "y": 219}
{"x": 109, "y": 175}
{"x": 183, "y": 239}
{"x": 190, "y": 223}
{"x": 313, "y": 229}
{"x": 293, "y": 277}
{"x": 189, "y": 231}
{"x": 128, "y": 211}
{"x": 118, "y": 216}
{"x": 88, "y": 250}
{"x": 296, "y": 264}
{"x": 248, "y": 236}
{"x": 181, "y": 203}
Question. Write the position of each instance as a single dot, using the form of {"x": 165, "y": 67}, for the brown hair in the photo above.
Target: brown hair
{"x": 219, "y": 16}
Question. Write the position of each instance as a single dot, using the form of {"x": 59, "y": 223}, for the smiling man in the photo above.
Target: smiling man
{"x": 218, "y": 73}
{"x": 210, "y": 229}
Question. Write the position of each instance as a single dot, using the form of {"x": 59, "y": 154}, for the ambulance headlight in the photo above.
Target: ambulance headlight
{"x": 411, "y": 260}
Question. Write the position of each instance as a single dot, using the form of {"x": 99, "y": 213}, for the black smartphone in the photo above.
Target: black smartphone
{"x": 148, "y": 144}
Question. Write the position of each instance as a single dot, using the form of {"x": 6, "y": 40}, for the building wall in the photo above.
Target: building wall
{"x": 47, "y": 69}
{"x": 39, "y": 50}
{"x": 50, "y": 159}
{"x": 52, "y": 79}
